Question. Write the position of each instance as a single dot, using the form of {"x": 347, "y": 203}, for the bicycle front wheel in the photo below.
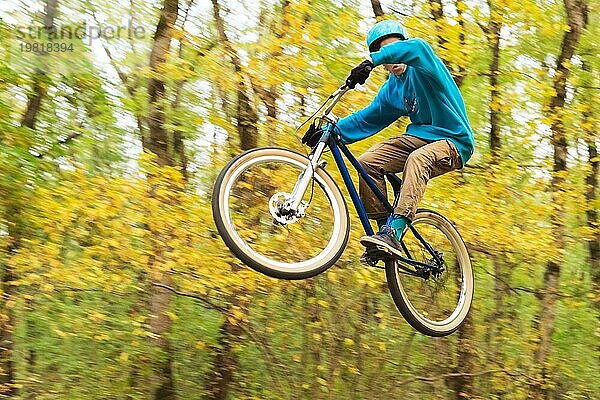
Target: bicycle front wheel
{"x": 248, "y": 209}
{"x": 437, "y": 303}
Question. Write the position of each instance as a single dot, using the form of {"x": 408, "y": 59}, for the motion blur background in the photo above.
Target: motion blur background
{"x": 116, "y": 117}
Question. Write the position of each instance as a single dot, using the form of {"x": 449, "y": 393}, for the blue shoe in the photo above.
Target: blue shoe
{"x": 384, "y": 240}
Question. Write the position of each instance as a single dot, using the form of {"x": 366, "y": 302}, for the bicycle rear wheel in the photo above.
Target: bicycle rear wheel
{"x": 438, "y": 304}
{"x": 248, "y": 199}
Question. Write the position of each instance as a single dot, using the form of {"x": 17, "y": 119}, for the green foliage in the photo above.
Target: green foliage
{"x": 88, "y": 222}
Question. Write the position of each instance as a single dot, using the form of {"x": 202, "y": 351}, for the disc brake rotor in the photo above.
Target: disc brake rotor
{"x": 281, "y": 211}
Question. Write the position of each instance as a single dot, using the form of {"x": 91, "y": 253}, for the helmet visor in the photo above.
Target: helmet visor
{"x": 375, "y": 46}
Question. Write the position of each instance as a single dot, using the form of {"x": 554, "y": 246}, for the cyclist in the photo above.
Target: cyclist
{"x": 438, "y": 140}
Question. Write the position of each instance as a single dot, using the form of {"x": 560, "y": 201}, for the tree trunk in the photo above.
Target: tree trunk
{"x": 592, "y": 221}
{"x": 493, "y": 34}
{"x": 463, "y": 385}
{"x": 129, "y": 87}
{"x": 16, "y": 233}
{"x": 592, "y": 217}
{"x": 34, "y": 100}
{"x": 377, "y": 10}
{"x": 462, "y": 71}
{"x": 590, "y": 129}
{"x": 160, "y": 325}
{"x": 577, "y": 19}
{"x": 270, "y": 96}
{"x": 178, "y": 134}
{"x": 437, "y": 15}
{"x": 226, "y": 359}
{"x": 7, "y": 323}
{"x": 496, "y": 320}
{"x": 247, "y": 117}
{"x": 162, "y": 143}
{"x": 16, "y": 227}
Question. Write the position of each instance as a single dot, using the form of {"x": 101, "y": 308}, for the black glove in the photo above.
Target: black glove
{"x": 312, "y": 136}
{"x": 359, "y": 74}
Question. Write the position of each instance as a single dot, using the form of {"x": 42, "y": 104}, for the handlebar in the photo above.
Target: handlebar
{"x": 332, "y": 99}
{"x": 335, "y": 97}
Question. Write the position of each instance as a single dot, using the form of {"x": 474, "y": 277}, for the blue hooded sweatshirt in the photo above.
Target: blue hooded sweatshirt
{"x": 425, "y": 92}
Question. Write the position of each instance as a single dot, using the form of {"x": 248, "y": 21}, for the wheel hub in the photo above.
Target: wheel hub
{"x": 439, "y": 265}
{"x": 280, "y": 206}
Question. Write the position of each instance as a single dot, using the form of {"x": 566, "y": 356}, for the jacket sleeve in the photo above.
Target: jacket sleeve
{"x": 414, "y": 52}
{"x": 370, "y": 120}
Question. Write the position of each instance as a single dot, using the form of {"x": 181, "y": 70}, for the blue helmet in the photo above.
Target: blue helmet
{"x": 384, "y": 29}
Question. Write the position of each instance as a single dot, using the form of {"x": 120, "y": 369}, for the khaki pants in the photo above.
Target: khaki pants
{"x": 419, "y": 159}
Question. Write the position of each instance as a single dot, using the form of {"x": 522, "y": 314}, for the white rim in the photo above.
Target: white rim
{"x": 453, "y": 320}
{"x": 269, "y": 262}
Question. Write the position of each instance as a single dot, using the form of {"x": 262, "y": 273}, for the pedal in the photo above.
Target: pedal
{"x": 381, "y": 252}
{"x": 372, "y": 256}
{"x": 368, "y": 261}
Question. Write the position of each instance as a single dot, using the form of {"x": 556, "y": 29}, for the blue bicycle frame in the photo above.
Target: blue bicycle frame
{"x": 330, "y": 139}
{"x": 337, "y": 148}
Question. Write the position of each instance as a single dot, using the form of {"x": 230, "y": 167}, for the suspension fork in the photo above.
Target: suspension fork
{"x": 305, "y": 176}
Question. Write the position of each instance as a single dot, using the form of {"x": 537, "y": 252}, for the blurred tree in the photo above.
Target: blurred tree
{"x": 577, "y": 14}
{"x": 168, "y": 148}
{"x": 16, "y": 199}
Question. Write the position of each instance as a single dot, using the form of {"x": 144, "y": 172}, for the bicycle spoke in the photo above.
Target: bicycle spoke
{"x": 433, "y": 296}
{"x": 252, "y": 219}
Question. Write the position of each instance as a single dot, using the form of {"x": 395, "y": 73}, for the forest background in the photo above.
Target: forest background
{"x": 115, "y": 284}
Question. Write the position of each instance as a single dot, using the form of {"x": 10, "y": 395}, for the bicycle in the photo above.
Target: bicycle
{"x": 306, "y": 231}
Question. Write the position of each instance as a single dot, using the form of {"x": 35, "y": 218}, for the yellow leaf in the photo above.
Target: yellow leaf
{"x": 138, "y": 332}
{"x": 200, "y": 345}
{"x": 171, "y": 315}
{"x": 354, "y": 370}
{"x": 59, "y": 332}
{"x": 47, "y": 287}
{"x": 323, "y": 303}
